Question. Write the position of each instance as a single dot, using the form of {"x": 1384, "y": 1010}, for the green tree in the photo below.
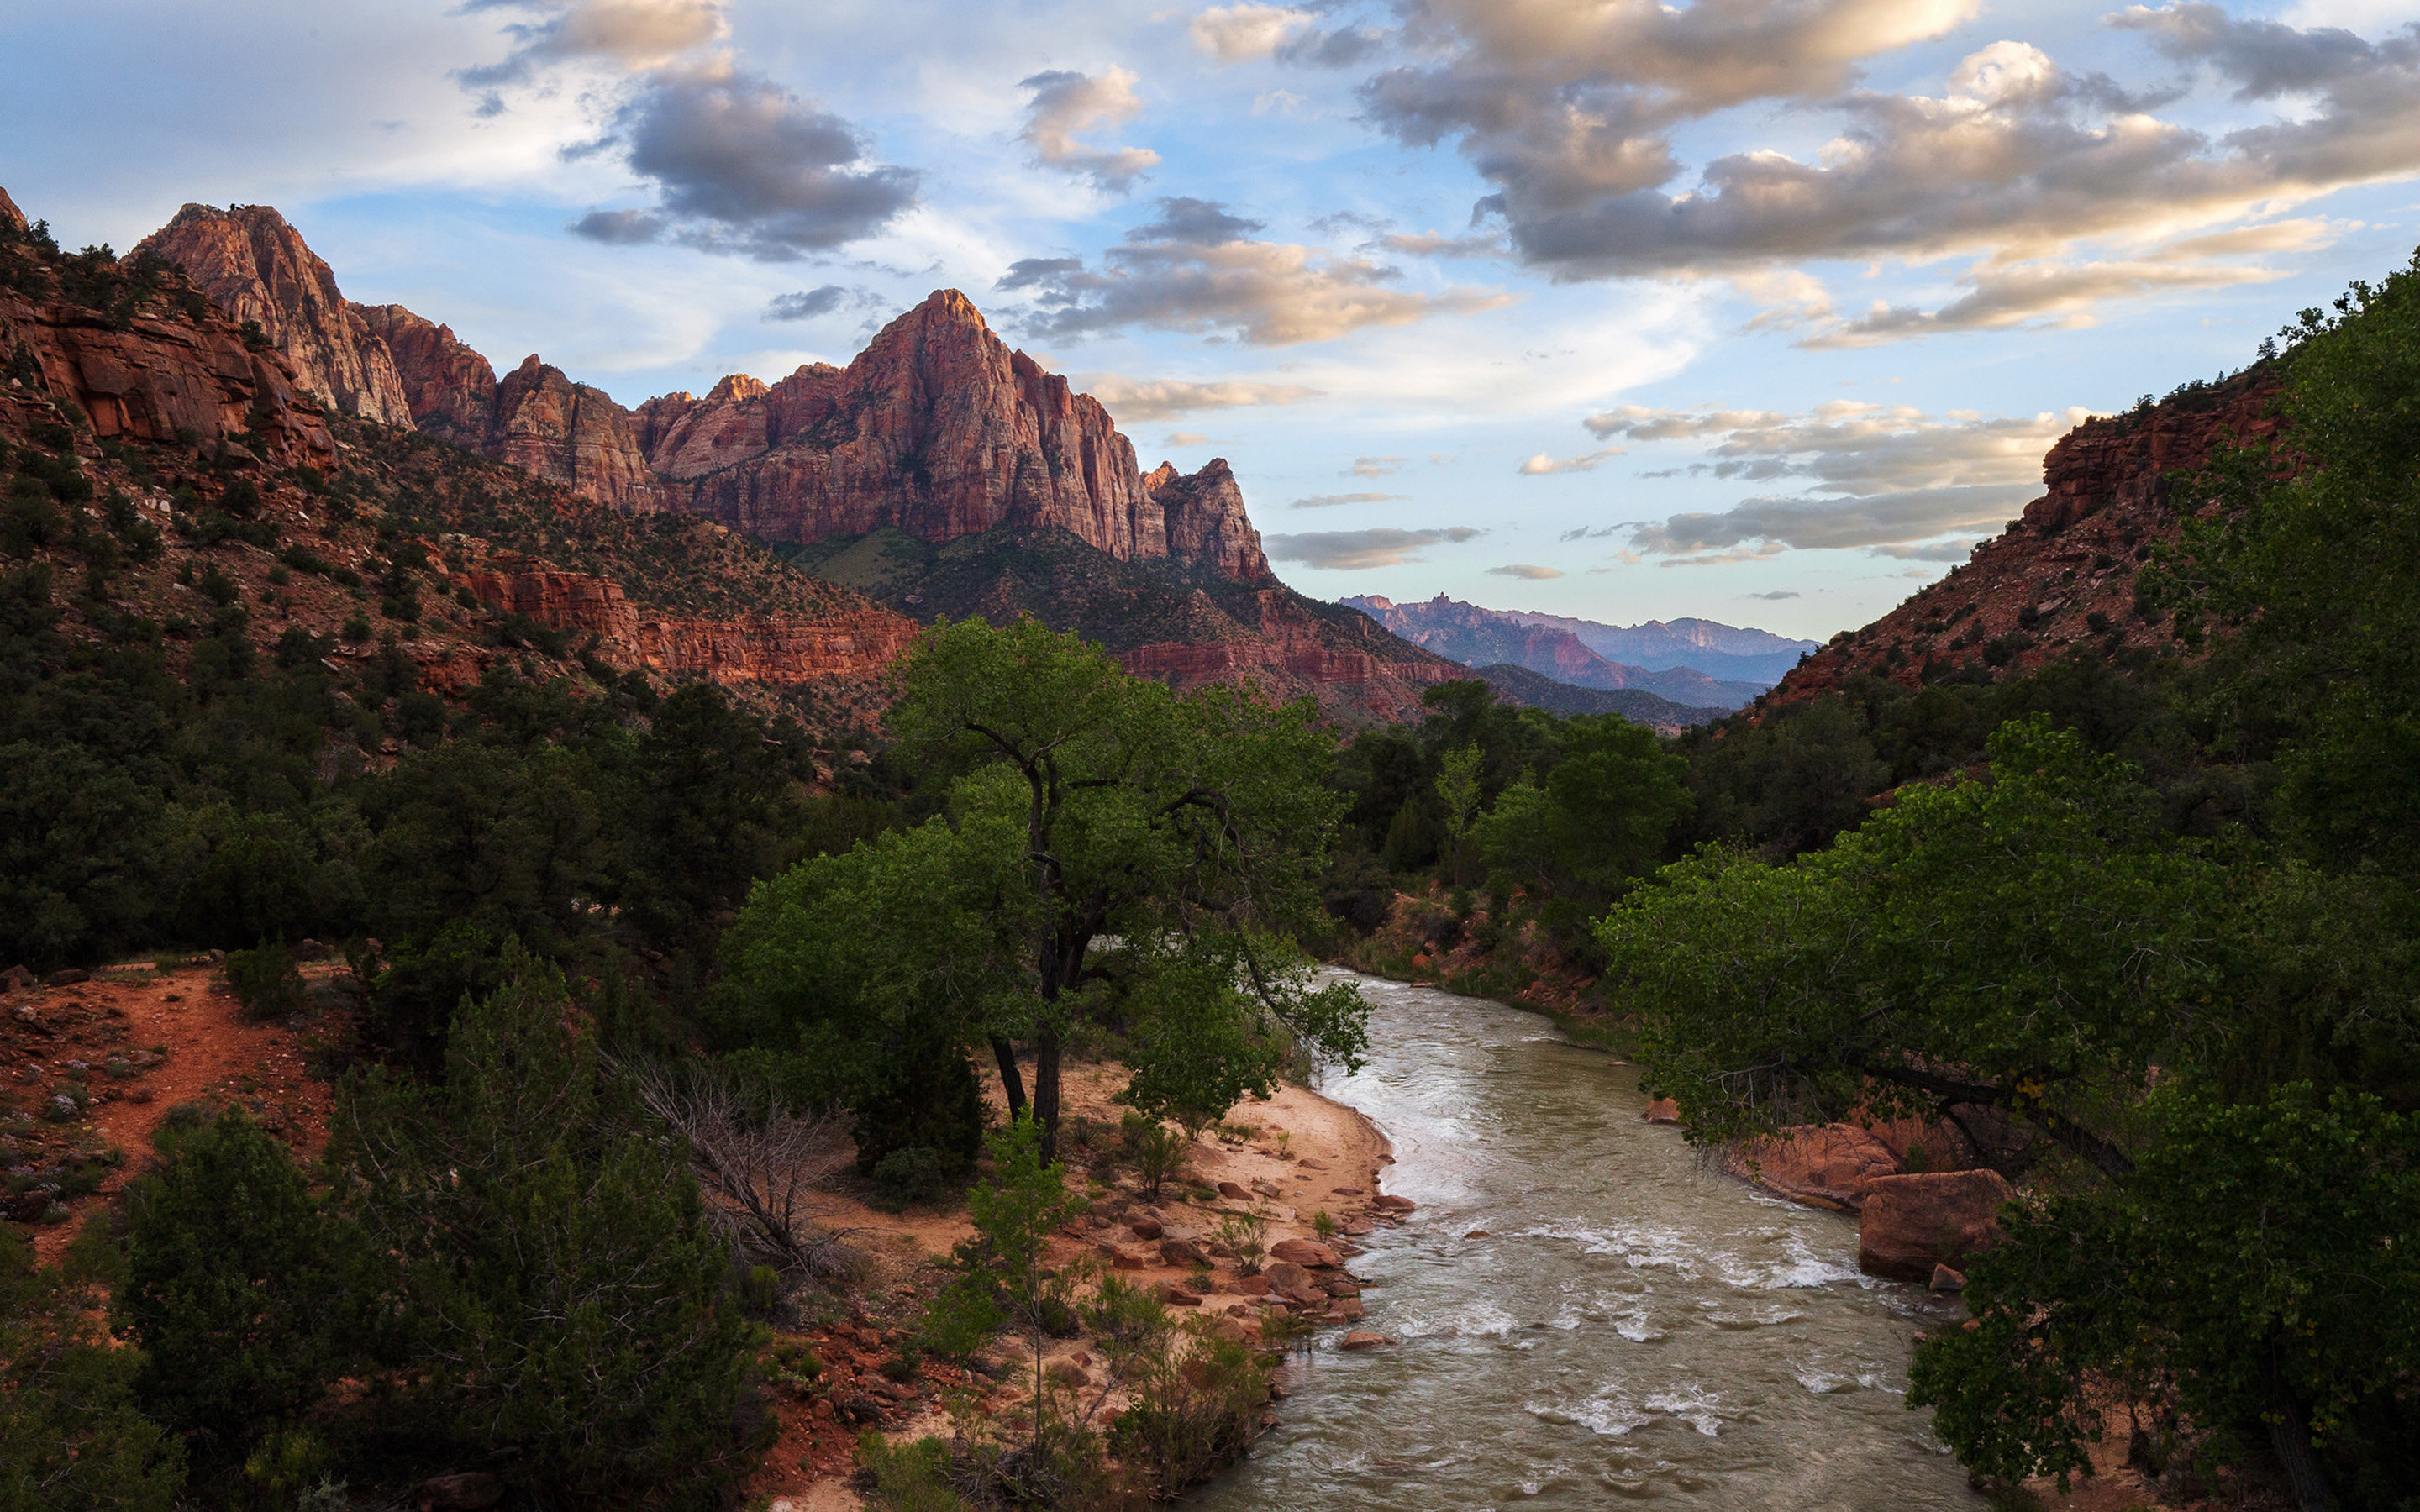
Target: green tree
{"x": 558, "y": 1279}
{"x": 72, "y": 1437}
{"x": 2253, "y": 1277}
{"x": 1599, "y": 820}
{"x": 1094, "y": 807}
{"x": 236, "y": 1286}
{"x": 1014, "y": 1211}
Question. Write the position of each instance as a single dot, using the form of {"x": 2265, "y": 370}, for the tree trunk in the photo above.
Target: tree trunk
{"x": 1045, "y": 1092}
{"x": 1009, "y": 1082}
{"x": 2292, "y": 1442}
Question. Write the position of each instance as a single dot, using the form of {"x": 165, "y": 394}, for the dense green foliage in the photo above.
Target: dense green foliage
{"x": 2175, "y": 990}
{"x": 72, "y": 1433}
{"x": 1109, "y": 854}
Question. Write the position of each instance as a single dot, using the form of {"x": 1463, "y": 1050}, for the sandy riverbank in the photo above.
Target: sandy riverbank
{"x": 1286, "y": 1157}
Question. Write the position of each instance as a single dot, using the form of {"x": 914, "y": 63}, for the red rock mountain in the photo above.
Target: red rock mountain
{"x": 256, "y": 268}
{"x": 937, "y": 428}
{"x": 2065, "y": 572}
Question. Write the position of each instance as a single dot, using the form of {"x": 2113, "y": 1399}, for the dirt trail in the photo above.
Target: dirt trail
{"x": 178, "y": 1037}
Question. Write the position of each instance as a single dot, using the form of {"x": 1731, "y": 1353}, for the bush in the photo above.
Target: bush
{"x": 907, "y": 1478}
{"x": 904, "y": 1177}
{"x": 563, "y": 1287}
{"x": 266, "y": 981}
{"x": 232, "y": 1273}
{"x": 1158, "y": 1150}
{"x": 1193, "y": 1410}
{"x": 72, "y": 1437}
{"x": 355, "y": 629}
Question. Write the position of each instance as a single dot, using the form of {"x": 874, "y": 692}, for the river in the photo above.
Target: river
{"x": 1632, "y": 1327}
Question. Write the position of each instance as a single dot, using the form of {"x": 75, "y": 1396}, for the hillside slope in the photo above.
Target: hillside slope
{"x": 2063, "y": 574}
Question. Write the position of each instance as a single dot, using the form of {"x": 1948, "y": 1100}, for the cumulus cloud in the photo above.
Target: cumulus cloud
{"x": 1246, "y": 33}
{"x": 2062, "y": 294}
{"x": 1877, "y": 476}
{"x": 1363, "y": 548}
{"x": 1065, "y": 103}
{"x": 626, "y": 35}
{"x": 1195, "y": 267}
{"x": 1544, "y": 462}
{"x": 1574, "y": 109}
{"x": 1328, "y": 501}
{"x": 1526, "y": 569}
{"x": 1374, "y": 466}
{"x": 743, "y": 165}
{"x": 1137, "y": 400}
{"x": 1937, "y": 552}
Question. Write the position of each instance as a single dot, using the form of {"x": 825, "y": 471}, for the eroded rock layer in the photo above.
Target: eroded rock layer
{"x": 256, "y": 268}
{"x": 2064, "y": 574}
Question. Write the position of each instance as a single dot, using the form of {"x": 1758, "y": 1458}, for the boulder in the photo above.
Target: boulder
{"x": 1303, "y": 1252}
{"x": 1252, "y": 1285}
{"x": 1068, "y": 1373}
{"x": 1945, "y": 1280}
{"x": 1825, "y": 1165}
{"x": 312, "y": 950}
{"x": 1147, "y": 1227}
{"x": 1180, "y": 1252}
{"x": 1360, "y": 1340}
{"x": 1663, "y": 1110}
{"x": 1292, "y": 1282}
{"x": 1176, "y": 1296}
{"x": 1234, "y": 1193}
{"x": 1388, "y": 1203}
{"x": 1345, "y": 1309}
{"x": 68, "y": 978}
{"x": 1911, "y": 1223}
{"x": 17, "y": 978}
{"x": 465, "y": 1491}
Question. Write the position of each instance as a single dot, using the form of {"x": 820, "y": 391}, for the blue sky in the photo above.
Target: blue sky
{"x": 1751, "y": 310}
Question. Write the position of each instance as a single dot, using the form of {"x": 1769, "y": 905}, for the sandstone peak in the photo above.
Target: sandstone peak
{"x": 10, "y": 212}
{"x": 734, "y": 386}
{"x": 530, "y": 363}
{"x": 257, "y": 267}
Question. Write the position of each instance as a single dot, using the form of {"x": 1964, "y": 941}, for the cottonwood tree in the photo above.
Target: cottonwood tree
{"x": 1108, "y": 844}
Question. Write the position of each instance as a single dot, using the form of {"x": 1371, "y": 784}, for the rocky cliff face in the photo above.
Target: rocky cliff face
{"x": 154, "y": 374}
{"x": 938, "y": 429}
{"x": 256, "y": 268}
{"x": 449, "y": 390}
{"x": 2064, "y": 573}
{"x": 571, "y": 434}
{"x": 734, "y": 653}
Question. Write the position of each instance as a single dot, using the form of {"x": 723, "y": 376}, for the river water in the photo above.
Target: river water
{"x": 1634, "y": 1326}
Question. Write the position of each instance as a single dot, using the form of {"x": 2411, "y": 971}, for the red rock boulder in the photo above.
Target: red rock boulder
{"x": 1823, "y": 1165}
{"x": 1912, "y": 1224}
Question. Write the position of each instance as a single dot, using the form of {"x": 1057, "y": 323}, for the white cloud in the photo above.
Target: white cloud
{"x": 1185, "y": 438}
{"x": 1530, "y": 571}
{"x": 1328, "y": 500}
{"x": 1374, "y": 466}
{"x": 630, "y": 36}
{"x": 1244, "y": 33}
{"x": 1332, "y": 549}
{"x": 1544, "y": 463}
{"x": 1196, "y": 268}
{"x": 1134, "y": 401}
{"x": 1065, "y": 103}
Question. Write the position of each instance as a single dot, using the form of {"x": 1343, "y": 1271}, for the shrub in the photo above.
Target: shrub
{"x": 266, "y": 981}
{"x": 355, "y": 631}
{"x": 907, "y": 1478}
{"x": 1192, "y": 1413}
{"x": 1244, "y": 1234}
{"x": 232, "y": 1267}
{"x": 72, "y": 1437}
{"x": 1158, "y": 1150}
{"x": 915, "y": 1174}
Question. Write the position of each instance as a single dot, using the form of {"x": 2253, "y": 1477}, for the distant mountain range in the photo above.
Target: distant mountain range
{"x": 1692, "y": 662}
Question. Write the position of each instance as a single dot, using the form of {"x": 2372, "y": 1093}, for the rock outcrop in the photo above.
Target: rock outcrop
{"x": 256, "y": 268}
{"x": 1910, "y": 1224}
{"x": 2064, "y": 573}
{"x": 157, "y": 374}
{"x": 761, "y": 650}
{"x": 450, "y": 389}
{"x": 1826, "y": 1166}
{"x": 939, "y": 430}
{"x": 571, "y": 434}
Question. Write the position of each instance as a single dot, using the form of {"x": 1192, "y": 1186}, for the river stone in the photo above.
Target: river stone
{"x": 1825, "y": 1164}
{"x": 1303, "y": 1252}
{"x": 1358, "y": 1339}
{"x": 1663, "y": 1110}
{"x": 1389, "y": 1203}
{"x": 1911, "y": 1223}
{"x": 1284, "y": 1276}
